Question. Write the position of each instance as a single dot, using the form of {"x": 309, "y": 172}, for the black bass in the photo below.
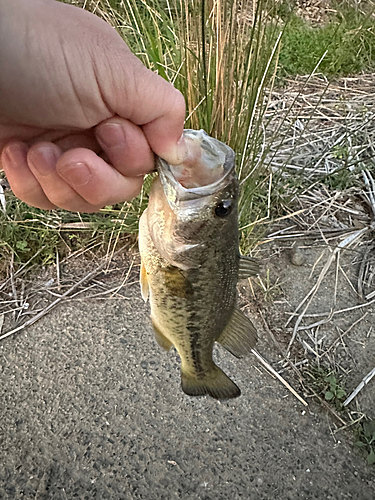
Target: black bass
{"x": 188, "y": 240}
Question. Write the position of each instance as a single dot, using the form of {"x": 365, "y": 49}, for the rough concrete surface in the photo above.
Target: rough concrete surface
{"x": 91, "y": 408}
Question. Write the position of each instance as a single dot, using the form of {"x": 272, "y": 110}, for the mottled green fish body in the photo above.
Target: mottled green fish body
{"x": 188, "y": 240}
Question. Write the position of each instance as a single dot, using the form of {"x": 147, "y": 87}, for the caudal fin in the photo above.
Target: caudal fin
{"x": 215, "y": 383}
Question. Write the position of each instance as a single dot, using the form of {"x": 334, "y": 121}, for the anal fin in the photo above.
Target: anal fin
{"x": 161, "y": 339}
{"x": 239, "y": 336}
{"x": 249, "y": 266}
{"x": 215, "y": 383}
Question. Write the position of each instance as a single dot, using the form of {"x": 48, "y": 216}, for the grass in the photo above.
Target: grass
{"x": 26, "y": 231}
{"x": 270, "y": 288}
{"x": 347, "y": 39}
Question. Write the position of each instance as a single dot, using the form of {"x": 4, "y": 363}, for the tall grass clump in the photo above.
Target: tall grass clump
{"x": 220, "y": 54}
{"x": 216, "y": 52}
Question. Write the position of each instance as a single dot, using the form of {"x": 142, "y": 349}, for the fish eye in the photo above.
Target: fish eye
{"x": 224, "y": 208}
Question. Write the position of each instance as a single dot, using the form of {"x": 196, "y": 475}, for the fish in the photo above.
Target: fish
{"x": 190, "y": 263}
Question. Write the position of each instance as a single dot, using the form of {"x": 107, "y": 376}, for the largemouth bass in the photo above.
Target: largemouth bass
{"x": 190, "y": 263}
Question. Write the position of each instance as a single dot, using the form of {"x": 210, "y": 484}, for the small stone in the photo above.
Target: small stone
{"x": 297, "y": 258}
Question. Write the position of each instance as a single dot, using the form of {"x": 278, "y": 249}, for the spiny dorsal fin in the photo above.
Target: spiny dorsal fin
{"x": 239, "y": 336}
{"x": 249, "y": 266}
{"x": 215, "y": 383}
{"x": 144, "y": 283}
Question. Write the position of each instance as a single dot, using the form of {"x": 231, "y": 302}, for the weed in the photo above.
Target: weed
{"x": 366, "y": 439}
{"x": 25, "y": 230}
{"x": 334, "y": 391}
{"x": 270, "y": 288}
{"x": 327, "y": 384}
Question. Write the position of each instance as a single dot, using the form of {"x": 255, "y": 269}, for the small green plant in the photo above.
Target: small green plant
{"x": 333, "y": 391}
{"x": 366, "y": 439}
{"x": 340, "y": 152}
{"x": 327, "y": 384}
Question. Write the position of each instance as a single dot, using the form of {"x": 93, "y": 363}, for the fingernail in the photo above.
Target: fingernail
{"x": 43, "y": 159}
{"x": 111, "y": 135}
{"x": 15, "y": 155}
{"x": 75, "y": 174}
{"x": 181, "y": 149}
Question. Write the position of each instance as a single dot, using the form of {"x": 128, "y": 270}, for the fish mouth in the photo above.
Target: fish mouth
{"x": 179, "y": 196}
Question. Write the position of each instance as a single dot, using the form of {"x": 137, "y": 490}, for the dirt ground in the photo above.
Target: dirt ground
{"x": 92, "y": 408}
{"x": 345, "y": 340}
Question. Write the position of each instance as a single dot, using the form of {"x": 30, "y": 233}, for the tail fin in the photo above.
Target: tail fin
{"x": 215, "y": 383}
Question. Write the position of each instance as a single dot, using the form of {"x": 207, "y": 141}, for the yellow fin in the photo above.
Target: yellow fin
{"x": 144, "y": 282}
{"x": 239, "y": 336}
{"x": 161, "y": 339}
{"x": 215, "y": 383}
{"x": 248, "y": 267}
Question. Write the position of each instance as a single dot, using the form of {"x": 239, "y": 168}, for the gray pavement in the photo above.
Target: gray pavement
{"x": 91, "y": 408}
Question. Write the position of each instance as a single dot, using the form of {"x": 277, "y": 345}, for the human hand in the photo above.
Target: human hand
{"x": 80, "y": 116}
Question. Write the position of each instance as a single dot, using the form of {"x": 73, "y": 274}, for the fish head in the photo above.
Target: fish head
{"x": 193, "y": 207}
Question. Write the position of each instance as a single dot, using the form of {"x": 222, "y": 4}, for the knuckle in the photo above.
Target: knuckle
{"x": 179, "y": 102}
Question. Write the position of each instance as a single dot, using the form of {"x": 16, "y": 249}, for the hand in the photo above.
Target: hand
{"x": 80, "y": 116}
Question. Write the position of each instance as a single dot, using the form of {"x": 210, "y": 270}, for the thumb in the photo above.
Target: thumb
{"x": 164, "y": 132}
{"x": 134, "y": 92}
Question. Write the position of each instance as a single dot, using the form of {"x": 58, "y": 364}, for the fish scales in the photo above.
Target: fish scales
{"x": 190, "y": 267}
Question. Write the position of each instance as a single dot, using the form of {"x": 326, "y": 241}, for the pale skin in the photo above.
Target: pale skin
{"x": 80, "y": 116}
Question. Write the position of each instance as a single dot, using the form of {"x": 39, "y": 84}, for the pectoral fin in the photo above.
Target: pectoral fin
{"x": 248, "y": 267}
{"x": 161, "y": 339}
{"x": 239, "y": 336}
{"x": 144, "y": 283}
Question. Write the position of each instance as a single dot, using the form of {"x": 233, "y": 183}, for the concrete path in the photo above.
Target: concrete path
{"x": 91, "y": 408}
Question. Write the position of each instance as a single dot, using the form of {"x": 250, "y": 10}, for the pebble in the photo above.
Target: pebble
{"x": 297, "y": 258}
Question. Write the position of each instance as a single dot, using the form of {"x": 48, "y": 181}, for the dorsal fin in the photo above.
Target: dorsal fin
{"x": 249, "y": 266}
